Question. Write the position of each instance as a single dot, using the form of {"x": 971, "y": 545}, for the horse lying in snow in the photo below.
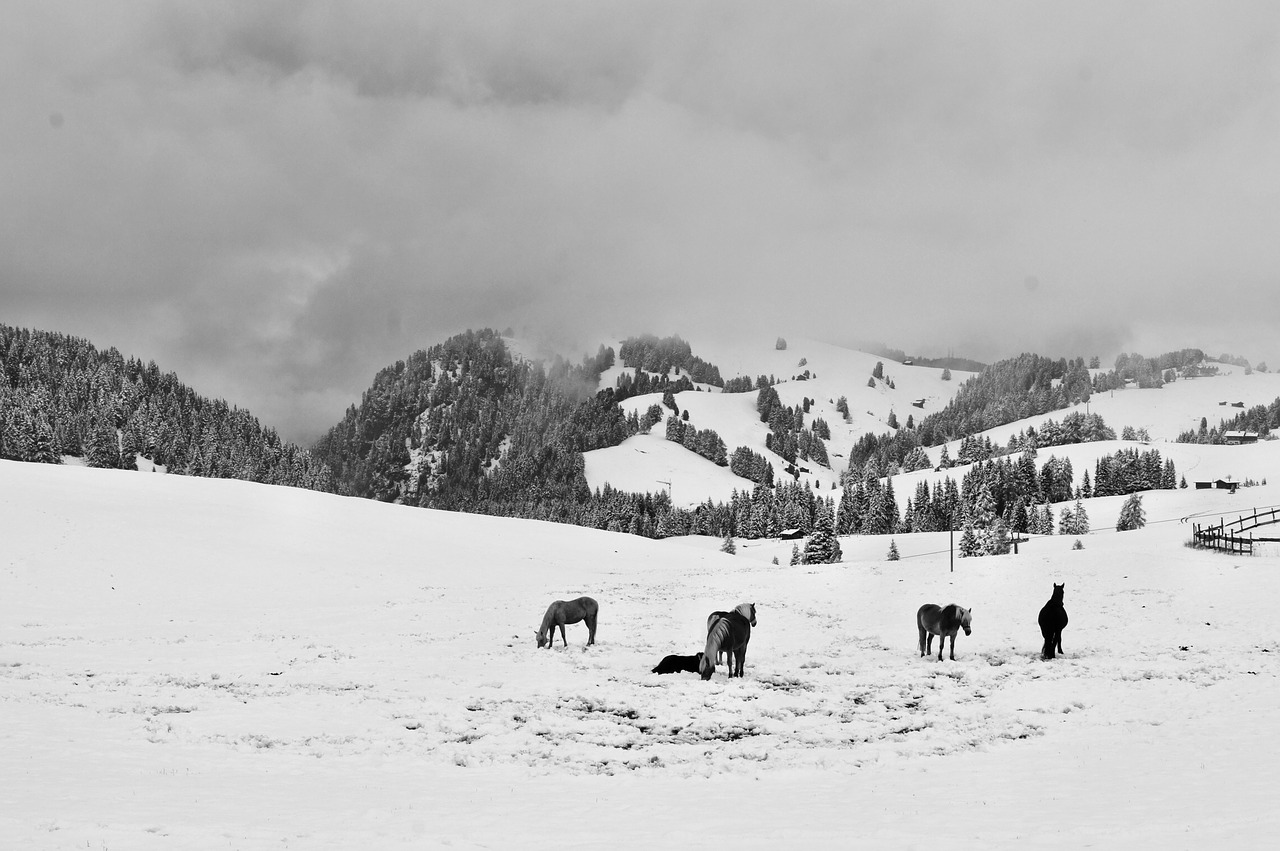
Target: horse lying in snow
{"x": 675, "y": 664}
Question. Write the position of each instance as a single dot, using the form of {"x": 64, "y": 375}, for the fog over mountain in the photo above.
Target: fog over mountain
{"x": 276, "y": 201}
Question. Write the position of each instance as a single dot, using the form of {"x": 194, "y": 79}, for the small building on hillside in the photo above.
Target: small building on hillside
{"x": 790, "y": 534}
{"x": 1236, "y": 438}
{"x": 1218, "y": 484}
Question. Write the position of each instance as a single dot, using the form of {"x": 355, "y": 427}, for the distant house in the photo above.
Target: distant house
{"x": 908, "y": 362}
{"x": 919, "y": 403}
{"x": 1236, "y": 438}
{"x": 1219, "y": 484}
{"x": 790, "y": 534}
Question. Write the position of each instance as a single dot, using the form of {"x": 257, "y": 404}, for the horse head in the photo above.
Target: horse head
{"x": 1058, "y": 591}
{"x": 542, "y": 642}
{"x": 966, "y": 619}
{"x": 748, "y": 611}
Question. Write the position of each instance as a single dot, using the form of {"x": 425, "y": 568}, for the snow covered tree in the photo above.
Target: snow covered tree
{"x": 893, "y": 551}
{"x": 1081, "y": 519}
{"x": 795, "y": 554}
{"x": 822, "y": 547}
{"x": 1066, "y": 523}
{"x": 1132, "y": 515}
{"x": 727, "y": 545}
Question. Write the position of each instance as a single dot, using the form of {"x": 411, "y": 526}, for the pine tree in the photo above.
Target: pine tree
{"x": 795, "y": 554}
{"x": 822, "y": 547}
{"x": 1081, "y": 518}
{"x": 1132, "y": 515}
{"x": 1066, "y": 523}
{"x": 727, "y": 545}
{"x": 893, "y": 551}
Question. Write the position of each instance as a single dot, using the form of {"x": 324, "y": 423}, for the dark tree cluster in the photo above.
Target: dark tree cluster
{"x": 641, "y": 383}
{"x": 59, "y": 395}
{"x": 788, "y": 436}
{"x": 465, "y": 426}
{"x": 763, "y": 512}
{"x": 751, "y": 465}
{"x": 704, "y": 442}
{"x": 1074, "y": 428}
{"x": 1129, "y": 471}
{"x": 662, "y": 355}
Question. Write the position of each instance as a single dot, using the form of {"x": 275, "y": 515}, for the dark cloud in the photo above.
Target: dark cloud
{"x": 276, "y": 200}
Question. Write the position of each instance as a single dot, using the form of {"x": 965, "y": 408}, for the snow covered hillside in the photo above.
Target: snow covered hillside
{"x": 649, "y": 463}
{"x": 206, "y": 663}
{"x": 833, "y": 372}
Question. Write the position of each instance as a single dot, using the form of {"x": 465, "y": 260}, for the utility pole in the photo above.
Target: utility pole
{"x": 952, "y": 524}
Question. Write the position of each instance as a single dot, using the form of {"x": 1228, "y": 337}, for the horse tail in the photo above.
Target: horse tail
{"x": 717, "y": 634}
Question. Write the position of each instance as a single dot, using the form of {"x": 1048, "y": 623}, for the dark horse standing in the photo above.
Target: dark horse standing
{"x": 1053, "y": 618}
{"x": 560, "y": 613}
{"x": 728, "y": 632}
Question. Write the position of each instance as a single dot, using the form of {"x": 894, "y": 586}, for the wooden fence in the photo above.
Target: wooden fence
{"x": 1231, "y": 537}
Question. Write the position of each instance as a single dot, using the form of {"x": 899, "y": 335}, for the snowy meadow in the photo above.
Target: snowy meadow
{"x": 206, "y": 663}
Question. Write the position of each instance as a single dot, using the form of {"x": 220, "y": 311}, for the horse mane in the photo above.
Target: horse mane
{"x": 548, "y": 620}
{"x": 954, "y": 613}
{"x": 748, "y": 611}
{"x": 717, "y": 635}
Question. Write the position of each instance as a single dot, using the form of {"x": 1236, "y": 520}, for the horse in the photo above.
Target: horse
{"x": 730, "y": 632}
{"x": 942, "y": 621}
{"x": 675, "y": 664}
{"x": 560, "y": 613}
{"x": 1053, "y": 617}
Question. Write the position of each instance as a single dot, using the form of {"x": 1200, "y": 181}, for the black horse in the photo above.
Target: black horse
{"x": 1053, "y": 618}
{"x": 675, "y": 664}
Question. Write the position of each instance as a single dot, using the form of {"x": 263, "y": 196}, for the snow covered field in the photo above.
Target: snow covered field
{"x": 190, "y": 663}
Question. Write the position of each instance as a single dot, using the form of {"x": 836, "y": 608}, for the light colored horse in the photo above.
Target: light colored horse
{"x": 561, "y": 612}
{"x": 728, "y": 632}
{"x": 942, "y": 621}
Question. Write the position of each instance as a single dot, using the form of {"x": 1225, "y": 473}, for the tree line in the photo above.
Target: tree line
{"x": 61, "y": 396}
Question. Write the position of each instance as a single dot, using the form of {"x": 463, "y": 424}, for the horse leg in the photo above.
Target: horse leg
{"x": 953, "y": 647}
{"x": 591, "y": 630}
{"x": 922, "y": 650}
{"x": 1059, "y": 642}
{"x": 742, "y": 660}
{"x": 563, "y": 640}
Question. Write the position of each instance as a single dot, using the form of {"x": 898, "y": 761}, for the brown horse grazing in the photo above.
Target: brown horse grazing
{"x": 560, "y": 613}
{"x": 674, "y": 664}
{"x": 1053, "y": 617}
{"x": 942, "y": 621}
{"x": 728, "y": 631}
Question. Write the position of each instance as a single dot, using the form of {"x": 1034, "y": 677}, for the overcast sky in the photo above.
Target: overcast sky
{"x": 275, "y": 200}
